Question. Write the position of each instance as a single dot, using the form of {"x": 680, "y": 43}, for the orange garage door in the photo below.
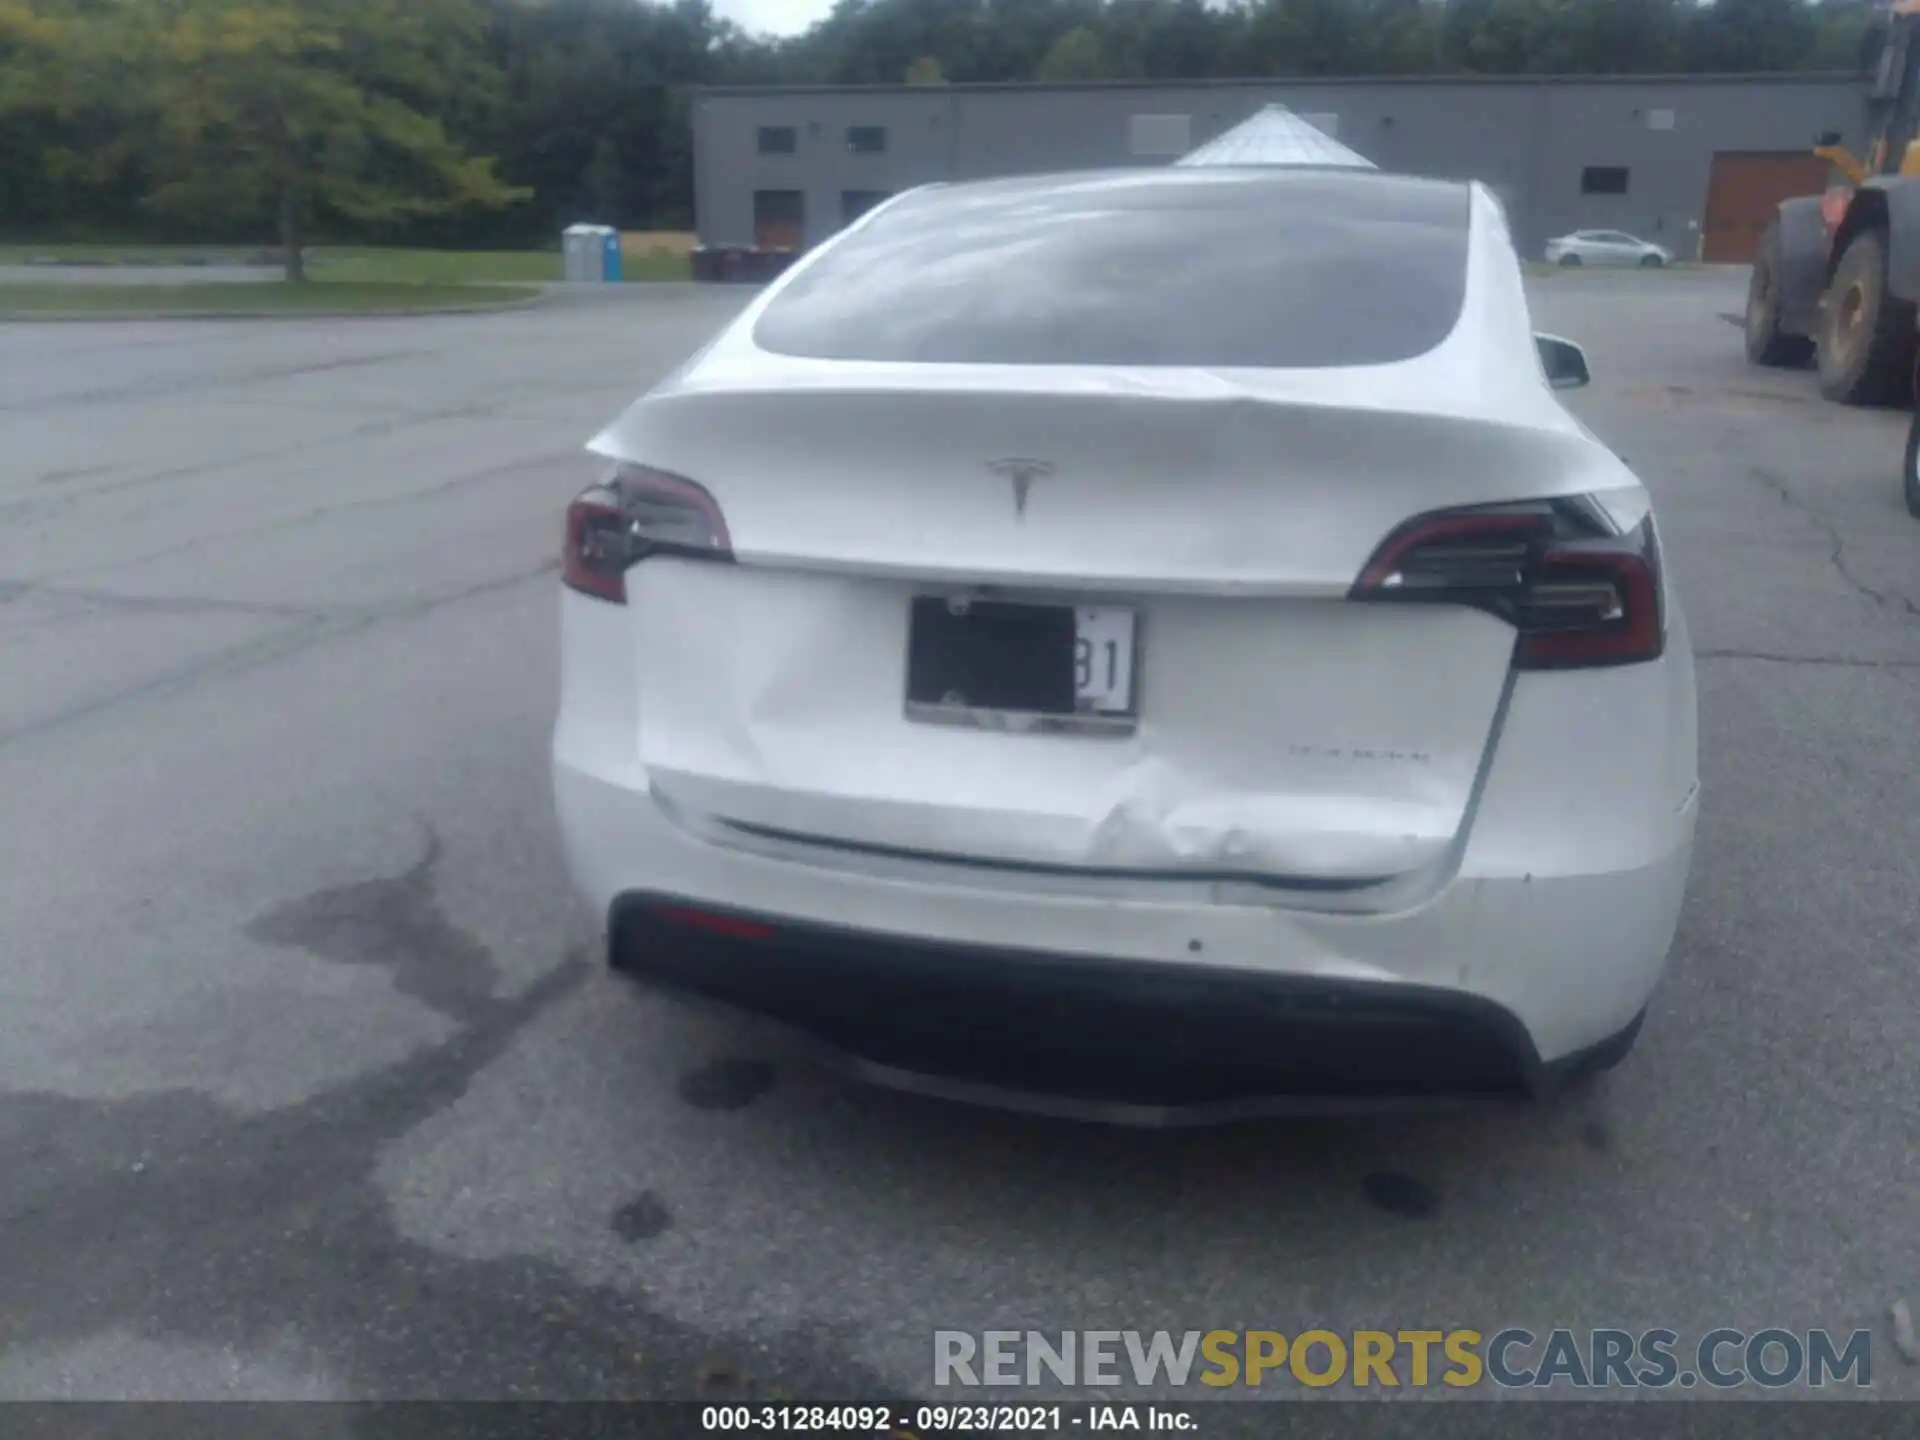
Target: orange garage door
{"x": 1743, "y": 193}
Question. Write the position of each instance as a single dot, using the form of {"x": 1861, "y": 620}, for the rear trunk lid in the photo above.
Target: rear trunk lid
{"x": 1283, "y": 732}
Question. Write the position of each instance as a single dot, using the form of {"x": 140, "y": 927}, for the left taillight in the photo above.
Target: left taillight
{"x": 1580, "y": 593}
{"x": 632, "y": 514}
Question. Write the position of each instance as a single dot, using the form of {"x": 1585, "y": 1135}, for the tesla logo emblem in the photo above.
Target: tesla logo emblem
{"x": 1022, "y": 473}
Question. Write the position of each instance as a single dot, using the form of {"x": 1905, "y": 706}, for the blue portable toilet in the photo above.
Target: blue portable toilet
{"x": 610, "y": 269}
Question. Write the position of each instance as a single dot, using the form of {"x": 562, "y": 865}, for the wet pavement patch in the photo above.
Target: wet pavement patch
{"x": 642, "y": 1218}
{"x": 259, "y": 1227}
{"x": 726, "y": 1084}
{"x": 167, "y": 1220}
{"x": 1398, "y": 1194}
{"x": 394, "y": 923}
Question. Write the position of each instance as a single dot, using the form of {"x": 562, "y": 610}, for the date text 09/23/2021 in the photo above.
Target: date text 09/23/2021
{"x": 929, "y": 1420}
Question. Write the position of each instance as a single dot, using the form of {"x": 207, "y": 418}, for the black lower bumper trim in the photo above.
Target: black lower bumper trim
{"x": 1118, "y": 1032}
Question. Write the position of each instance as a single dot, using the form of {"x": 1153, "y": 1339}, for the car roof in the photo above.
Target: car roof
{"x": 1251, "y": 187}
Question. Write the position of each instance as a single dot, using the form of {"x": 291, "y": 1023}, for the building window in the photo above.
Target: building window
{"x": 1660, "y": 119}
{"x": 778, "y": 140}
{"x": 1161, "y": 136}
{"x": 1603, "y": 180}
{"x": 855, "y": 203}
{"x": 867, "y": 139}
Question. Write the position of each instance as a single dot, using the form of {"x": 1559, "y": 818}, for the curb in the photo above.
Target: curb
{"x": 1544, "y": 269}
{"x": 77, "y": 317}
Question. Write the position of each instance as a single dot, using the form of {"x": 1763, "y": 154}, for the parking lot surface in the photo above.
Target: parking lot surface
{"x": 312, "y": 1085}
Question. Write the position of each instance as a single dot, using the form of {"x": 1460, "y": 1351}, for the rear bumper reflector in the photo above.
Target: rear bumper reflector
{"x": 714, "y": 923}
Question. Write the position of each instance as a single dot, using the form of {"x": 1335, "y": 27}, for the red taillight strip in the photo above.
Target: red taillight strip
{"x": 1428, "y": 528}
{"x": 610, "y": 528}
{"x": 639, "y": 480}
{"x": 732, "y": 926}
{"x": 1567, "y": 545}
{"x": 1641, "y": 635}
{"x": 605, "y": 582}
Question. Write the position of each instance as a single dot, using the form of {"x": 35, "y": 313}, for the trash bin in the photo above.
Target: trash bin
{"x": 591, "y": 254}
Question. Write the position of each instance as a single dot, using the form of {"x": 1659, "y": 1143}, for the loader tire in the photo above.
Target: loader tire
{"x": 1910, "y": 474}
{"x": 1767, "y": 343}
{"x": 1866, "y": 347}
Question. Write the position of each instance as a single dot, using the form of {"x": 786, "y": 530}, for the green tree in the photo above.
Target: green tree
{"x": 30, "y": 42}
{"x": 606, "y": 183}
{"x": 1742, "y": 35}
{"x": 284, "y": 110}
{"x": 1406, "y": 36}
{"x": 65, "y": 150}
{"x": 1313, "y": 37}
{"x": 1168, "y": 39}
{"x": 1075, "y": 55}
{"x": 1495, "y": 37}
{"x": 1847, "y": 37}
{"x": 1624, "y": 37}
{"x": 360, "y": 117}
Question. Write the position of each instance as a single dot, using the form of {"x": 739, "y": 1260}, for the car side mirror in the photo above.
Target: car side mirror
{"x": 1564, "y": 362}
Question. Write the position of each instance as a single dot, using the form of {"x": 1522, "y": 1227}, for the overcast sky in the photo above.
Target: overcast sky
{"x": 774, "y": 17}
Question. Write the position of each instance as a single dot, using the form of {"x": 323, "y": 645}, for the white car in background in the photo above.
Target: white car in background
{"x": 1058, "y": 639}
{"x": 1606, "y": 247}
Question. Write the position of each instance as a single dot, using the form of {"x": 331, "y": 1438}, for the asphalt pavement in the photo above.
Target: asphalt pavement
{"x": 68, "y": 274}
{"x": 311, "y": 1085}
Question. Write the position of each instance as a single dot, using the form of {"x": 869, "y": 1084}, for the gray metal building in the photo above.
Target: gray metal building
{"x": 1693, "y": 162}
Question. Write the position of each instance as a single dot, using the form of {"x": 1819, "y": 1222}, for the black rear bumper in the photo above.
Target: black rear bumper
{"x": 1109, "y": 1032}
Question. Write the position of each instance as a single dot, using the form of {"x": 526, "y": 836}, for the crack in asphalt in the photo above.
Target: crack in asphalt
{"x": 159, "y": 604}
{"x": 305, "y": 517}
{"x": 167, "y": 1217}
{"x": 299, "y": 636}
{"x": 1775, "y": 657}
{"x": 190, "y": 385}
{"x": 80, "y": 472}
{"x": 1838, "y": 557}
{"x": 391, "y": 422}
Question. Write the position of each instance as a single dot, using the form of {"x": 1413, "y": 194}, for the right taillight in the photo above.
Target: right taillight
{"x": 1579, "y": 592}
{"x": 635, "y": 513}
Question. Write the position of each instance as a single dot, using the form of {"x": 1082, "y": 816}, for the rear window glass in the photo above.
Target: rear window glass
{"x": 1178, "y": 267}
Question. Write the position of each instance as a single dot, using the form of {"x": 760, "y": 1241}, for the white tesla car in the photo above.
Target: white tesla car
{"x": 1154, "y": 637}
